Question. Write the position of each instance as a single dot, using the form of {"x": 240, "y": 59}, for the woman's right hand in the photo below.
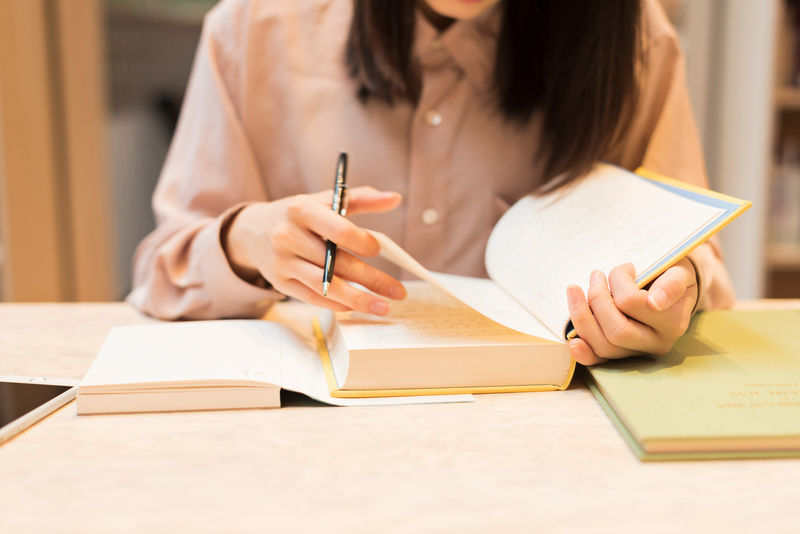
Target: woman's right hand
{"x": 285, "y": 240}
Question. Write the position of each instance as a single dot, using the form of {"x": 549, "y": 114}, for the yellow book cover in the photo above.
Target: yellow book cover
{"x": 730, "y": 388}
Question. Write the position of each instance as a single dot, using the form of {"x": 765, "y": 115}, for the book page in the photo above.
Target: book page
{"x": 481, "y": 294}
{"x": 199, "y": 353}
{"x": 303, "y": 370}
{"x": 302, "y": 367}
{"x": 220, "y": 354}
{"x": 542, "y": 244}
{"x": 428, "y": 317}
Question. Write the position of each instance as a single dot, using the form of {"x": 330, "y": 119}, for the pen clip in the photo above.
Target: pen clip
{"x": 339, "y": 204}
{"x": 340, "y": 199}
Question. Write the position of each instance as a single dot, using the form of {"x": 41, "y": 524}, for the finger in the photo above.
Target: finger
{"x": 300, "y": 291}
{"x": 367, "y": 199}
{"x": 348, "y": 267}
{"x": 628, "y": 298}
{"x": 312, "y": 249}
{"x": 356, "y": 299}
{"x": 584, "y": 321}
{"x": 309, "y": 214}
{"x": 671, "y": 286}
{"x": 363, "y": 199}
{"x": 340, "y": 291}
{"x": 619, "y": 330}
{"x": 582, "y": 353}
{"x": 666, "y": 326}
{"x": 289, "y": 241}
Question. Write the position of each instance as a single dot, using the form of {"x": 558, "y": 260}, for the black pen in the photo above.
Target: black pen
{"x": 339, "y": 205}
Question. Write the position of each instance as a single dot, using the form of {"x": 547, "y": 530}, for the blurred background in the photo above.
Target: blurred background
{"x": 90, "y": 92}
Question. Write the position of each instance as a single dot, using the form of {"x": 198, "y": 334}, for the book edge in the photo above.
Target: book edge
{"x": 639, "y": 451}
{"x": 335, "y": 392}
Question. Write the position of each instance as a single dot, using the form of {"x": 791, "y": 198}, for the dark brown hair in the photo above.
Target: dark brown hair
{"x": 573, "y": 61}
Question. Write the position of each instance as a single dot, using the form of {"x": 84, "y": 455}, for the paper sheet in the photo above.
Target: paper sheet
{"x": 234, "y": 352}
{"x": 480, "y": 294}
{"x": 609, "y": 218}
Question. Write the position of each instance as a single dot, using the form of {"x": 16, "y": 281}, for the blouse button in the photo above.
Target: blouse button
{"x": 430, "y": 216}
{"x": 433, "y": 118}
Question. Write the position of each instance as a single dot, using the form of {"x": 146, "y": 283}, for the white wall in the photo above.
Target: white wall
{"x": 2, "y": 215}
{"x": 730, "y": 47}
{"x": 739, "y": 159}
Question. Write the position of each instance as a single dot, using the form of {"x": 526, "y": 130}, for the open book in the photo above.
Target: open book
{"x": 432, "y": 343}
{"x": 513, "y": 338}
{"x": 215, "y": 365}
{"x": 431, "y": 348}
{"x": 543, "y": 244}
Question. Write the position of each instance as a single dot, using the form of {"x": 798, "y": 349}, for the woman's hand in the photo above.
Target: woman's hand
{"x": 284, "y": 241}
{"x": 617, "y": 319}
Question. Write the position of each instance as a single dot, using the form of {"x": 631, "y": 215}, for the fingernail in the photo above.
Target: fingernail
{"x": 574, "y": 349}
{"x": 659, "y": 299}
{"x": 572, "y": 296}
{"x": 379, "y": 307}
{"x": 398, "y": 292}
{"x": 594, "y": 278}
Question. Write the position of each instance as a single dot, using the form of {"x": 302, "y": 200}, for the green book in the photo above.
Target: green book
{"x": 730, "y": 388}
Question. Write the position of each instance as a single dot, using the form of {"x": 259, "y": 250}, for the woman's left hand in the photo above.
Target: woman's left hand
{"x": 616, "y": 319}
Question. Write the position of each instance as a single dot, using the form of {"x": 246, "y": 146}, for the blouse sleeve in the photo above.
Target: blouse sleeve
{"x": 180, "y": 269}
{"x": 663, "y": 138}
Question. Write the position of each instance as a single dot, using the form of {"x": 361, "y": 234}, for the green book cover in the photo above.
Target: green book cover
{"x": 730, "y": 388}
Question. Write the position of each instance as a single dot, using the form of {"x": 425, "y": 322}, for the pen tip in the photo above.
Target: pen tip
{"x": 325, "y": 287}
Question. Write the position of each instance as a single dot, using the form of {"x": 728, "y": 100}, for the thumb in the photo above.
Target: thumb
{"x": 668, "y": 288}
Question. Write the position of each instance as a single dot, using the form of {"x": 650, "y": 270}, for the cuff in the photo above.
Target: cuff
{"x": 230, "y": 295}
{"x": 715, "y": 289}
{"x": 699, "y": 277}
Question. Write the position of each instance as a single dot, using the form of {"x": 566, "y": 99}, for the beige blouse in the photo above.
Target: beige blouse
{"x": 269, "y": 106}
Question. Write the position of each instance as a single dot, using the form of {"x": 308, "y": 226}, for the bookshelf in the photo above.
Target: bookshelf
{"x": 782, "y": 251}
{"x": 787, "y": 98}
{"x": 783, "y": 255}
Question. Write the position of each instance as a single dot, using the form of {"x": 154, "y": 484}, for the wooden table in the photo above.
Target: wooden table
{"x": 535, "y": 462}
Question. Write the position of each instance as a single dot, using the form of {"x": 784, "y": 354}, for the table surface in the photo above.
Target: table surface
{"x": 543, "y": 462}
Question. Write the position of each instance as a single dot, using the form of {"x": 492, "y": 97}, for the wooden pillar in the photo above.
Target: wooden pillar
{"x": 81, "y": 58}
{"x": 54, "y": 202}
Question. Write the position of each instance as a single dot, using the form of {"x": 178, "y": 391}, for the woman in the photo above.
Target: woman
{"x": 450, "y": 110}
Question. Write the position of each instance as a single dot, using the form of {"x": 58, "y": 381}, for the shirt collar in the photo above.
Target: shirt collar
{"x": 471, "y": 44}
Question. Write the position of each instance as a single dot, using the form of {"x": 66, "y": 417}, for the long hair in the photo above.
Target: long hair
{"x": 572, "y": 61}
